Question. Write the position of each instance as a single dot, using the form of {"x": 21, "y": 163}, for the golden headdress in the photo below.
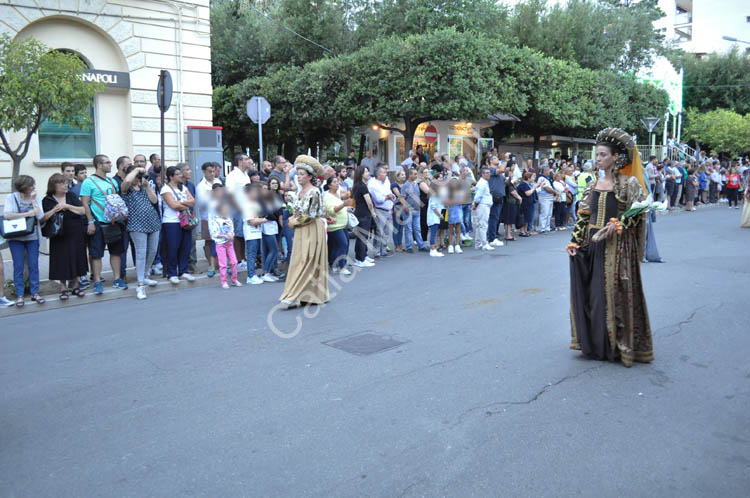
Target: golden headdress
{"x": 629, "y": 162}
{"x": 310, "y": 164}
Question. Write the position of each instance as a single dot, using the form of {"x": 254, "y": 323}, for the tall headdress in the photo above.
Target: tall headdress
{"x": 310, "y": 164}
{"x": 629, "y": 162}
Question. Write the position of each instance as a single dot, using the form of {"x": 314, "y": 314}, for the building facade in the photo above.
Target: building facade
{"x": 125, "y": 44}
{"x": 705, "y": 26}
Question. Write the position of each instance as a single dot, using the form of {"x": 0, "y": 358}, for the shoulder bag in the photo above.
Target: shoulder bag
{"x": 53, "y": 227}
{"x": 188, "y": 221}
{"x": 19, "y": 227}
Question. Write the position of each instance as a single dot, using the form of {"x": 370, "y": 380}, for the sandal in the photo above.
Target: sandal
{"x": 38, "y": 299}
{"x": 78, "y": 292}
{"x": 64, "y": 295}
{"x": 19, "y": 302}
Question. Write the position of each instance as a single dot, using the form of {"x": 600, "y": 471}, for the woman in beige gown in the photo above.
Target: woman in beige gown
{"x": 307, "y": 278}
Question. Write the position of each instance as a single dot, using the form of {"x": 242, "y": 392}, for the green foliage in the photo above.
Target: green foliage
{"x": 723, "y": 130}
{"x": 716, "y": 81}
{"x": 37, "y": 84}
{"x": 605, "y": 34}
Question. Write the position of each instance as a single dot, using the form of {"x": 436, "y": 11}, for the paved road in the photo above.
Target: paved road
{"x": 190, "y": 394}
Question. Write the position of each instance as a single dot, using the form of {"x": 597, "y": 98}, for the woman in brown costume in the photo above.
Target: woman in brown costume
{"x": 608, "y": 315}
{"x": 307, "y": 278}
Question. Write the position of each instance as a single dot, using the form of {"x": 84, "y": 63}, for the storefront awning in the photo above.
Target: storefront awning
{"x": 548, "y": 141}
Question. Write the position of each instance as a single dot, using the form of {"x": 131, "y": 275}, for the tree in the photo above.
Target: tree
{"x": 38, "y": 85}
{"x": 716, "y": 81}
{"x": 723, "y": 130}
{"x": 604, "y": 34}
{"x": 444, "y": 74}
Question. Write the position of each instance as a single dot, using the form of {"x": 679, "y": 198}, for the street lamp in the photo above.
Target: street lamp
{"x": 732, "y": 39}
{"x": 650, "y": 124}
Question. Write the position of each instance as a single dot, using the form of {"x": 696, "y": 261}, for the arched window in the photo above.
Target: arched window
{"x": 66, "y": 141}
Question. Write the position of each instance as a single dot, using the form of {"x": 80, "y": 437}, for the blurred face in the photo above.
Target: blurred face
{"x": 187, "y": 173}
{"x": 401, "y": 177}
{"x": 605, "y": 160}
{"x": 334, "y": 185}
{"x": 81, "y": 176}
{"x": 68, "y": 173}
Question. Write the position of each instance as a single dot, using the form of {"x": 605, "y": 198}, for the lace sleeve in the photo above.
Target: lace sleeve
{"x": 634, "y": 193}
{"x": 584, "y": 214}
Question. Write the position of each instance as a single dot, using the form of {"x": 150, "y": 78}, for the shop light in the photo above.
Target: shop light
{"x": 374, "y": 127}
{"x": 554, "y": 144}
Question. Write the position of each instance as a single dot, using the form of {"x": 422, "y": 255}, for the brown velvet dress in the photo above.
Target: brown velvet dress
{"x": 608, "y": 313}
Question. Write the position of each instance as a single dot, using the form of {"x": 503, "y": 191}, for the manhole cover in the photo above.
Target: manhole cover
{"x": 365, "y": 343}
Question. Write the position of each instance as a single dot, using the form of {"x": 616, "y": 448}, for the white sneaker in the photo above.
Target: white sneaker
{"x": 458, "y": 249}
{"x": 269, "y": 278}
{"x": 5, "y": 302}
{"x": 488, "y": 247}
{"x": 465, "y": 237}
{"x": 450, "y": 249}
{"x": 157, "y": 268}
{"x": 242, "y": 266}
{"x": 436, "y": 254}
{"x": 497, "y": 243}
{"x": 254, "y": 280}
{"x": 140, "y": 292}
{"x": 363, "y": 264}
{"x": 174, "y": 280}
{"x": 236, "y": 284}
{"x": 346, "y": 271}
{"x": 188, "y": 277}
{"x": 149, "y": 282}
{"x": 224, "y": 286}
{"x": 369, "y": 259}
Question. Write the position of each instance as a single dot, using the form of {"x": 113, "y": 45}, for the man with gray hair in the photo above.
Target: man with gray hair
{"x": 382, "y": 198}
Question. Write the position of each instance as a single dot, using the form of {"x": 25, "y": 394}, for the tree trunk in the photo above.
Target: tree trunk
{"x": 16, "y": 167}
{"x": 348, "y": 143}
{"x": 361, "y": 148}
{"x": 410, "y": 127}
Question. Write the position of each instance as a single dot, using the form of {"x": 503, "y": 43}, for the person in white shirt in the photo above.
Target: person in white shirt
{"x": 177, "y": 204}
{"x": 253, "y": 234}
{"x": 202, "y": 200}
{"x": 481, "y": 211}
{"x": 235, "y": 185}
{"x": 547, "y": 197}
{"x": 382, "y": 198}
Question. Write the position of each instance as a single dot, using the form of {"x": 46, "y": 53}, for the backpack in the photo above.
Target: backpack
{"x": 114, "y": 208}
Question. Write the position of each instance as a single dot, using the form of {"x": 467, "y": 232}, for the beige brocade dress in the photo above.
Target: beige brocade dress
{"x": 307, "y": 278}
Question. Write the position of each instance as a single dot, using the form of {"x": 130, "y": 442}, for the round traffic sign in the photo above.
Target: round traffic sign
{"x": 430, "y": 134}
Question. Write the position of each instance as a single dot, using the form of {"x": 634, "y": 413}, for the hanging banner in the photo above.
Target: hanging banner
{"x": 663, "y": 75}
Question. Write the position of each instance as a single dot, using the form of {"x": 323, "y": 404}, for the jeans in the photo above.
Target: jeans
{"x": 545, "y": 214}
{"x": 466, "y": 226}
{"x": 25, "y": 251}
{"x": 399, "y": 218}
{"x": 338, "y": 247}
{"x": 289, "y": 236}
{"x": 413, "y": 229}
{"x": 384, "y": 226}
{"x": 433, "y": 234}
{"x": 252, "y": 248}
{"x": 224, "y": 253}
{"x": 494, "y": 220}
{"x": 481, "y": 215}
{"x": 559, "y": 210}
{"x": 361, "y": 234}
{"x": 145, "y": 245}
{"x": 124, "y": 257}
{"x": 269, "y": 250}
{"x": 177, "y": 242}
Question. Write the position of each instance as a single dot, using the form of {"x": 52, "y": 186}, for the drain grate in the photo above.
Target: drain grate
{"x": 365, "y": 343}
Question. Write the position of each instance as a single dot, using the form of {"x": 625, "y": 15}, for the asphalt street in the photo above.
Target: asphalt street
{"x": 191, "y": 394}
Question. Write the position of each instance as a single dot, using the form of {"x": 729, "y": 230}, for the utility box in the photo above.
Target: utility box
{"x": 204, "y": 145}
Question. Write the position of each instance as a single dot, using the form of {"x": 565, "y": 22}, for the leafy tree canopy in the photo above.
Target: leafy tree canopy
{"x": 722, "y": 130}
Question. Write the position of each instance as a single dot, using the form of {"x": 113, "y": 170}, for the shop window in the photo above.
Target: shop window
{"x": 400, "y": 149}
{"x": 66, "y": 141}
{"x": 383, "y": 150}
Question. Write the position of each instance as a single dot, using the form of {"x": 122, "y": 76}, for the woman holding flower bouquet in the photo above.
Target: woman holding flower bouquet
{"x": 307, "y": 278}
{"x": 609, "y": 317}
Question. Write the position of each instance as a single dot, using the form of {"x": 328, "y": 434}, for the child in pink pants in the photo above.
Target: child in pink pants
{"x": 222, "y": 233}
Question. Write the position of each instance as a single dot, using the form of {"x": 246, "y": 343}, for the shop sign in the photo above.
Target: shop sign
{"x": 463, "y": 128}
{"x": 113, "y": 79}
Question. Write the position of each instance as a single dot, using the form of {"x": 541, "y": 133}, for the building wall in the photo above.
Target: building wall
{"x": 711, "y": 20}
{"x": 139, "y": 37}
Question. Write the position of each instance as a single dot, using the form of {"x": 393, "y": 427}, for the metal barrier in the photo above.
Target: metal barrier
{"x": 662, "y": 152}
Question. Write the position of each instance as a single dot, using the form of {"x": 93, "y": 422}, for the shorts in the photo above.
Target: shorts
{"x": 96, "y": 244}
{"x": 455, "y": 214}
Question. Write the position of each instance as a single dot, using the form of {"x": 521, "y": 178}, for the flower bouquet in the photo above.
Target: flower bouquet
{"x": 637, "y": 208}
{"x": 289, "y": 206}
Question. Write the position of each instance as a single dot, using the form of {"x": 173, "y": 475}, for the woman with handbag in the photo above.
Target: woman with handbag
{"x": 178, "y": 225}
{"x": 24, "y": 203}
{"x": 338, "y": 239}
{"x": 62, "y": 225}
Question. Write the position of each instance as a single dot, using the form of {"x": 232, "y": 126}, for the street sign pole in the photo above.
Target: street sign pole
{"x": 260, "y": 135}
{"x": 161, "y": 109}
